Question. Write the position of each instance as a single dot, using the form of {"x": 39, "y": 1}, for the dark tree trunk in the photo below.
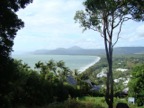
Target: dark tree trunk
{"x": 109, "y": 82}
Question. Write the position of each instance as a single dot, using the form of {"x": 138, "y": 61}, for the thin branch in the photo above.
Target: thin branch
{"x": 101, "y": 34}
{"x": 107, "y": 29}
{"x": 118, "y": 34}
{"x": 120, "y": 28}
{"x": 118, "y": 22}
{"x": 94, "y": 29}
{"x": 127, "y": 18}
{"x": 112, "y": 24}
{"x": 121, "y": 19}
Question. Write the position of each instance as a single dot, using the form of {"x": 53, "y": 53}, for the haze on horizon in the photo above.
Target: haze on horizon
{"x": 49, "y": 24}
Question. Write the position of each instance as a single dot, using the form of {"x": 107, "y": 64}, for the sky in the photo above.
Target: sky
{"x": 50, "y": 24}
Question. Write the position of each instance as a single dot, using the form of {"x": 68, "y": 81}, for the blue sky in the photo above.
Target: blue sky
{"x": 50, "y": 24}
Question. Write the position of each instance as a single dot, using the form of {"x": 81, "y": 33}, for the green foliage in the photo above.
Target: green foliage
{"x": 53, "y": 69}
{"x": 9, "y": 70}
{"x": 30, "y": 88}
{"x": 126, "y": 62}
{"x": 46, "y": 84}
{"x": 136, "y": 84}
{"x": 136, "y": 9}
{"x": 85, "y": 102}
{"x": 12, "y": 80}
{"x": 96, "y": 12}
{"x": 104, "y": 16}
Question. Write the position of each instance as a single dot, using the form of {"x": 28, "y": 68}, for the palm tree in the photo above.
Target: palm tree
{"x": 60, "y": 64}
{"x": 52, "y": 66}
{"x": 38, "y": 65}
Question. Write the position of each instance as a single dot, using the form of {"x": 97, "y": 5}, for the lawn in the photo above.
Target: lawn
{"x": 85, "y": 102}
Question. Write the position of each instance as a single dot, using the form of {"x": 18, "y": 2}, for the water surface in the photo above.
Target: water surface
{"x": 79, "y": 62}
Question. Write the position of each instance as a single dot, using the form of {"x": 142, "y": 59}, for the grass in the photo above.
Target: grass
{"x": 73, "y": 103}
{"x": 85, "y": 102}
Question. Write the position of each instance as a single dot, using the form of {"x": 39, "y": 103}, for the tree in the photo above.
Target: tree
{"x": 10, "y": 23}
{"x": 135, "y": 9}
{"x": 105, "y": 17}
{"x": 136, "y": 84}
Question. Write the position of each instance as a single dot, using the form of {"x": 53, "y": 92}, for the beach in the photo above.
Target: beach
{"x": 89, "y": 65}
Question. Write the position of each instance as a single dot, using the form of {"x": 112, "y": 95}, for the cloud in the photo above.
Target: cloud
{"x": 48, "y": 21}
{"x": 90, "y": 44}
{"x": 140, "y": 31}
{"x": 137, "y": 34}
{"x": 49, "y": 24}
{"x": 132, "y": 33}
{"x": 50, "y": 13}
{"x": 50, "y": 17}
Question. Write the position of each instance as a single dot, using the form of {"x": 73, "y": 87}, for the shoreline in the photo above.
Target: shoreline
{"x": 82, "y": 69}
{"x": 30, "y": 60}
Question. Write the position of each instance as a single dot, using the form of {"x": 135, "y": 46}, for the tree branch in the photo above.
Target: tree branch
{"x": 121, "y": 23}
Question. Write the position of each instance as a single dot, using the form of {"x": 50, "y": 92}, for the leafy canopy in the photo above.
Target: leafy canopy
{"x": 10, "y": 23}
{"x": 103, "y": 16}
{"x": 136, "y": 84}
{"x": 136, "y": 9}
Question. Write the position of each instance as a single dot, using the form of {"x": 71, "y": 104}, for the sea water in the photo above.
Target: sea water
{"x": 79, "y": 62}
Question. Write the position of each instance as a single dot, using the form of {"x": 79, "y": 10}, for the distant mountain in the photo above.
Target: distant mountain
{"x": 75, "y": 48}
{"x": 80, "y": 51}
{"x": 129, "y": 50}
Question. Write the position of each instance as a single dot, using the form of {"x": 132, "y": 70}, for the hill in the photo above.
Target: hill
{"x": 80, "y": 51}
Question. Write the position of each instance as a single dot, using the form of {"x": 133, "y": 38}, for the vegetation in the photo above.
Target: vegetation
{"x": 53, "y": 83}
{"x": 9, "y": 25}
{"x": 27, "y": 87}
{"x": 84, "y": 102}
{"x": 104, "y": 16}
{"x": 119, "y": 61}
{"x": 137, "y": 84}
{"x": 136, "y": 9}
{"x": 48, "y": 83}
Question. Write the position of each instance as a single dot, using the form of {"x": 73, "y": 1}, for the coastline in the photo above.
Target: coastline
{"x": 68, "y": 59}
{"x": 82, "y": 69}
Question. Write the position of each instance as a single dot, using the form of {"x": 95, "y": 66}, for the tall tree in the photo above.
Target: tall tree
{"x": 9, "y": 25}
{"x": 105, "y": 17}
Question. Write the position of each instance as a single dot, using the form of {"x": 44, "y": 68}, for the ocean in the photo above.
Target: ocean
{"x": 79, "y": 62}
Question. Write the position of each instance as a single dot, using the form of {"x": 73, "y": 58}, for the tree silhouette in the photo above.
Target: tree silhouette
{"x": 10, "y": 23}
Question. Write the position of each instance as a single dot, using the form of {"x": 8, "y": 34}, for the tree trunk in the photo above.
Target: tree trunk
{"x": 109, "y": 82}
{"x": 111, "y": 72}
